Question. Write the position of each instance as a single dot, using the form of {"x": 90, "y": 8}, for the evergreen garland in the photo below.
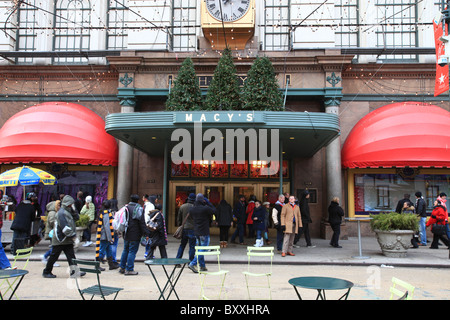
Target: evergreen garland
{"x": 224, "y": 91}
{"x": 186, "y": 93}
{"x": 261, "y": 90}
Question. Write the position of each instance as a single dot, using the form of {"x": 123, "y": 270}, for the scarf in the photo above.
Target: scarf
{"x": 99, "y": 230}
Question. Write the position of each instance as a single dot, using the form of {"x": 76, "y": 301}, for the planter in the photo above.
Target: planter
{"x": 394, "y": 243}
{"x": 79, "y": 231}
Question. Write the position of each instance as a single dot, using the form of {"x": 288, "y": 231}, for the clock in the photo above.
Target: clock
{"x": 228, "y": 23}
{"x": 228, "y": 10}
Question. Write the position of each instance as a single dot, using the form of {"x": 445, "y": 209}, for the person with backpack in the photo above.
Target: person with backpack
{"x": 133, "y": 233}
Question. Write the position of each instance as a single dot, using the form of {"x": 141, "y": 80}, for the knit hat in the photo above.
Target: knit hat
{"x": 88, "y": 199}
{"x": 200, "y": 197}
{"x": 191, "y": 196}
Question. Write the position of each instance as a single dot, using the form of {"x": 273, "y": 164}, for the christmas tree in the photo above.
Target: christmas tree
{"x": 261, "y": 90}
{"x": 224, "y": 91}
{"x": 185, "y": 94}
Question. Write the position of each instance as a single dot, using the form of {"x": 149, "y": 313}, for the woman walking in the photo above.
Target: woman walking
{"x": 335, "y": 214}
{"x": 224, "y": 218}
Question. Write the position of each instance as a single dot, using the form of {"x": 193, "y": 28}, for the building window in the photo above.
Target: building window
{"x": 26, "y": 34}
{"x": 117, "y": 35}
{"x": 381, "y": 192}
{"x": 397, "y": 19}
{"x": 383, "y": 197}
{"x": 277, "y": 21}
{"x": 346, "y": 16}
{"x": 183, "y": 36}
{"x": 72, "y": 29}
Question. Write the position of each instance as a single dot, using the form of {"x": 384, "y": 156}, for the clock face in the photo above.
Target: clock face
{"x": 232, "y": 10}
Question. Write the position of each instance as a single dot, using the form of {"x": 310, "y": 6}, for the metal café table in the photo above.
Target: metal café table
{"x": 172, "y": 278}
{"x": 366, "y": 219}
{"x": 321, "y": 284}
{"x": 12, "y": 273}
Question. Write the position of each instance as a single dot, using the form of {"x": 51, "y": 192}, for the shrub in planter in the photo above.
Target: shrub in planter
{"x": 394, "y": 232}
{"x": 83, "y": 222}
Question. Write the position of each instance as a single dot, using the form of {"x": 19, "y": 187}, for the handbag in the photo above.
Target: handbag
{"x": 438, "y": 229}
{"x": 178, "y": 234}
{"x": 152, "y": 225}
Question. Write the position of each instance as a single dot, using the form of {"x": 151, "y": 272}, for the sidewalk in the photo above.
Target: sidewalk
{"x": 371, "y": 277}
{"x": 322, "y": 254}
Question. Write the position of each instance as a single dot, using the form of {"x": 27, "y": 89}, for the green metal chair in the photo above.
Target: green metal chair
{"x": 402, "y": 294}
{"x": 22, "y": 255}
{"x": 98, "y": 289}
{"x": 210, "y": 251}
{"x": 266, "y": 255}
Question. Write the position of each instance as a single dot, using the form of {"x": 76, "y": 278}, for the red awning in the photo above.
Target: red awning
{"x": 406, "y": 134}
{"x": 57, "y": 132}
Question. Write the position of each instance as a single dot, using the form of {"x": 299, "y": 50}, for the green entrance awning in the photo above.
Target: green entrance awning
{"x": 301, "y": 134}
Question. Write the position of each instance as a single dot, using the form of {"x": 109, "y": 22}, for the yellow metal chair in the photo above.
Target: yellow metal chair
{"x": 210, "y": 251}
{"x": 401, "y": 294}
{"x": 22, "y": 255}
{"x": 263, "y": 270}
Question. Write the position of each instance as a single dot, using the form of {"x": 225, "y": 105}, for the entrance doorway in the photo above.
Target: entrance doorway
{"x": 215, "y": 192}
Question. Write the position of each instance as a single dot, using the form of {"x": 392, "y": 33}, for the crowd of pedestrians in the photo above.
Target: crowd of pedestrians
{"x": 147, "y": 227}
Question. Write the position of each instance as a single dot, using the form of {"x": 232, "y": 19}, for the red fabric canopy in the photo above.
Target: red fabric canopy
{"x": 57, "y": 132}
{"x": 403, "y": 134}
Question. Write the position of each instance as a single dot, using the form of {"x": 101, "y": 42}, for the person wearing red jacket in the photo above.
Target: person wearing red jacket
{"x": 439, "y": 216}
{"x": 249, "y": 212}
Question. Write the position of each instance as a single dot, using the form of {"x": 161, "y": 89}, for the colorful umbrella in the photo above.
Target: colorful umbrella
{"x": 26, "y": 176}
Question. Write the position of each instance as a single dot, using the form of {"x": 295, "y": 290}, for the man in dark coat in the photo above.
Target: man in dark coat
{"x": 400, "y": 203}
{"x": 240, "y": 217}
{"x": 306, "y": 219}
{"x": 421, "y": 211}
{"x": 202, "y": 213}
{"x": 25, "y": 214}
{"x": 133, "y": 234}
{"x": 188, "y": 229}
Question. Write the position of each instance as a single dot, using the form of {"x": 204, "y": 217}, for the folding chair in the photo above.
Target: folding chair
{"x": 408, "y": 295}
{"x": 22, "y": 255}
{"x": 267, "y": 254}
{"x": 210, "y": 251}
{"x": 98, "y": 289}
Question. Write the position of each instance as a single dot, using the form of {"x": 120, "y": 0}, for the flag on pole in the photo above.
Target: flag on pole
{"x": 442, "y": 82}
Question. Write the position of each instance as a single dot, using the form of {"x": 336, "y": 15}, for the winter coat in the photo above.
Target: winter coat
{"x": 64, "y": 226}
{"x": 136, "y": 223}
{"x": 159, "y": 236}
{"x": 183, "y": 212}
{"x": 304, "y": 208}
{"x": 288, "y": 214}
{"x": 260, "y": 215}
{"x": 239, "y": 212}
{"x": 335, "y": 213}
{"x": 25, "y": 214}
{"x": 202, "y": 214}
{"x": 51, "y": 216}
{"x": 89, "y": 211}
{"x": 276, "y": 214}
{"x": 439, "y": 216}
{"x": 249, "y": 212}
{"x": 224, "y": 214}
{"x": 421, "y": 208}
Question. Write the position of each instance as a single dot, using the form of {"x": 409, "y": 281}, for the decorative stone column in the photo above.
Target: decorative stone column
{"x": 333, "y": 157}
{"x": 125, "y": 166}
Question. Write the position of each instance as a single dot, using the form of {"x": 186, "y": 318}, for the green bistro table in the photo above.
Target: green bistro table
{"x": 172, "y": 278}
{"x": 321, "y": 284}
{"x": 12, "y": 273}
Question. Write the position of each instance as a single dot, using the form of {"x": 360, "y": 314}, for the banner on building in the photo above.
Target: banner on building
{"x": 442, "y": 81}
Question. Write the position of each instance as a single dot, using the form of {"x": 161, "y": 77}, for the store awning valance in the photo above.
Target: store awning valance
{"x": 406, "y": 134}
{"x": 57, "y": 132}
{"x": 301, "y": 134}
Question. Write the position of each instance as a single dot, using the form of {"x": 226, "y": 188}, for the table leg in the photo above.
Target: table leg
{"x": 169, "y": 281}
{"x": 321, "y": 295}
{"x": 359, "y": 243}
{"x": 298, "y": 293}
{"x": 15, "y": 288}
{"x": 345, "y": 295}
